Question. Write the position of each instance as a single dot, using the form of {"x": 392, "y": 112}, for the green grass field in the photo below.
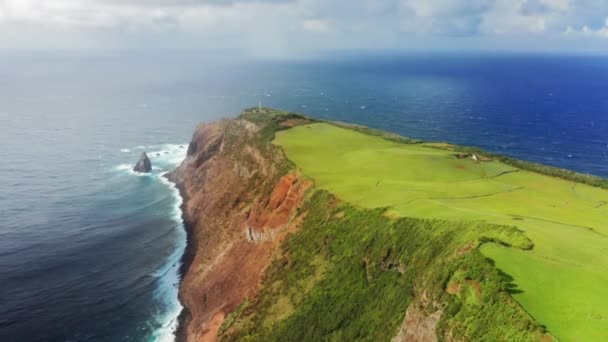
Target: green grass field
{"x": 562, "y": 282}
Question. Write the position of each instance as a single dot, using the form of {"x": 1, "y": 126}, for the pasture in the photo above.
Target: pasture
{"x": 561, "y": 282}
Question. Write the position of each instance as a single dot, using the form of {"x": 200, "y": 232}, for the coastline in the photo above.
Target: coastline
{"x": 186, "y": 261}
{"x": 166, "y": 158}
{"x": 174, "y": 323}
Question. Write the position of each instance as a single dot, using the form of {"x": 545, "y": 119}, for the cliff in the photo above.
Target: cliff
{"x": 239, "y": 202}
{"x": 271, "y": 257}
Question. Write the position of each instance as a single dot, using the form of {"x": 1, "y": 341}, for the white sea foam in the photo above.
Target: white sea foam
{"x": 125, "y": 150}
{"x": 129, "y": 169}
{"x": 164, "y": 158}
{"x": 123, "y": 167}
{"x": 168, "y": 156}
{"x": 169, "y": 274}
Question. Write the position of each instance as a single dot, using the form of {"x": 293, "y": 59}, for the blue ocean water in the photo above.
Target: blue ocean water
{"x": 89, "y": 251}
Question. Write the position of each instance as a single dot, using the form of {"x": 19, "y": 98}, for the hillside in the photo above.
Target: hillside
{"x": 305, "y": 230}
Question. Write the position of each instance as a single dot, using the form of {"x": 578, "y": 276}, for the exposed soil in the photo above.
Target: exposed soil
{"x": 475, "y": 285}
{"x": 454, "y": 288}
{"x": 277, "y": 211}
{"x": 466, "y": 248}
{"x": 294, "y": 122}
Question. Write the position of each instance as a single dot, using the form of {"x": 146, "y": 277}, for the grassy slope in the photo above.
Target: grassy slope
{"x": 562, "y": 281}
{"x": 350, "y": 274}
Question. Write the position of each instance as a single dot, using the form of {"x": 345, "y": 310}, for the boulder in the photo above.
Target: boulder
{"x": 143, "y": 164}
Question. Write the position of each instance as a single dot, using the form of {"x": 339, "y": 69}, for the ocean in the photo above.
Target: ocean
{"x": 90, "y": 251}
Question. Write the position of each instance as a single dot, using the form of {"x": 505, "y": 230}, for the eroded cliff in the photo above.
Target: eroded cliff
{"x": 240, "y": 201}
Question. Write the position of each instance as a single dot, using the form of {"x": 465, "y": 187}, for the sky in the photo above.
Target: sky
{"x": 293, "y": 27}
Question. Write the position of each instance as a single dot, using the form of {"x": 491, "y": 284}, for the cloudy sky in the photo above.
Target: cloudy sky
{"x": 281, "y": 27}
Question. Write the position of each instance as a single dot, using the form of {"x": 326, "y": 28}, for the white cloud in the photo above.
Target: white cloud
{"x": 275, "y": 24}
{"x": 586, "y": 31}
{"x": 445, "y": 17}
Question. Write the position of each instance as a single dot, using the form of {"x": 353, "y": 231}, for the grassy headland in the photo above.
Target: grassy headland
{"x": 560, "y": 282}
{"x": 401, "y": 236}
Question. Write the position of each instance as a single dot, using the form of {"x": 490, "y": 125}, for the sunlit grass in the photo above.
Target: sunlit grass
{"x": 561, "y": 282}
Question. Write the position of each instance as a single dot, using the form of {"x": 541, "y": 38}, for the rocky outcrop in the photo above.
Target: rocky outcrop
{"x": 240, "y": 201}
{"x": 420, "y": 322}
{"x": 143, "y": 164}
{"x": 418, "y": 326}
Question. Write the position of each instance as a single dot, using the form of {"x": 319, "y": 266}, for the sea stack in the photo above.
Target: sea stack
{"x": 143, "y": 164}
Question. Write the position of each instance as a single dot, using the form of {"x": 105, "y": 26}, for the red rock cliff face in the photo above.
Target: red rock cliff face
{"x": 239, "y": 204}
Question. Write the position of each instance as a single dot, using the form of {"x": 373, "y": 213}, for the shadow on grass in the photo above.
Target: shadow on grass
{"x": 509, "y": 282}
{"x": 510, "y": 286}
